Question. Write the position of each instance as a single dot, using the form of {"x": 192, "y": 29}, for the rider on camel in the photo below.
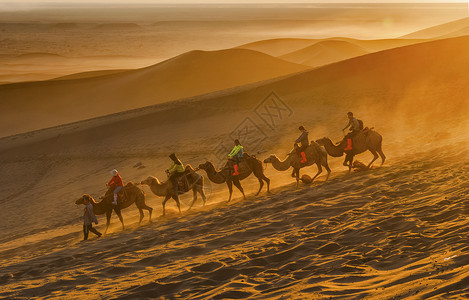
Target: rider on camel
{"x": 354, "y": 125}
{"x": 175, "y": 171}
{"x": 115, "y": 183}
{"x": 236, "y": 155}
{"x": 304, "y": 143}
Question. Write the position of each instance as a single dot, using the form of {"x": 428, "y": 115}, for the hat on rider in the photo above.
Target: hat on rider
{"x": 113, "y": 172}
{"x": 173, "y": 156}
{"x": 301, "y": 128}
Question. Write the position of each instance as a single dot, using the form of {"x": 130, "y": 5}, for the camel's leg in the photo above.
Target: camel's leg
{"x": 142, "y": 206}
{"x": 176, "y": 198}
{"x": 141, "y": 215}
{"x": 229, "y": 183}
{"x": 119, "y": 214}
{"x": 108, "y": 219}
{"x": 261, "y": 177}
{"x": 237, "y": 183}
{"x": 381, "y": 153}
{"x": 293, "y": 174}
{"x": 326, "y": 165}
{"x": 267, "y": 180}
{"x": 297, "y": 176}
{"x": 150, "y": 210}
{"x": 261, "y": 184}
{"x": 164, "y": 203}
{"x": 348, "y": 161}
{"x": 319, "y": 171}
{"x": 194, "y": 197}
{"x": 375, "y": 157}
{"x": 202, "y": 193}
{"x": 345, "y": 163}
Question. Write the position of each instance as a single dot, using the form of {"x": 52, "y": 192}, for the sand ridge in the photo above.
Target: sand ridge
{"x": 190, "y": 74}
{"x": 323, "y": 53}
{"x": 301, "y": 242}
{"x": 445, "y": 30}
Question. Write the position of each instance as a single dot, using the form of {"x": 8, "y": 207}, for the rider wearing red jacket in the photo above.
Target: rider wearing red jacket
{"x": 116, "y": 183}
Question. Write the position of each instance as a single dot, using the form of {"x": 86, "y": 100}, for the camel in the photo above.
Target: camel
{"x": 131, "y": 194}
{"x": 314, "y": 155}
{"x": 367, "y": 139}
{"x": 165, "y": 189}
{"x": 249, "y": 165}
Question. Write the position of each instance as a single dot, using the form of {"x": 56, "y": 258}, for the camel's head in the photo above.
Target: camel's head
{"x": 205, "y": 166}
{"x": 272, "y": 158}
{"x": 149, "y": 180}
{"x": 321, "y": 141}
{"x": 84, "y": 199}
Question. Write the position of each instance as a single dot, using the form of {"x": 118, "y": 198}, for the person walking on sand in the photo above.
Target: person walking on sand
{"x": 236, "y": 155}
{"x": 304, "y": 143}
{"x": 88, "y": 218}
{"x": 116, "y": 183}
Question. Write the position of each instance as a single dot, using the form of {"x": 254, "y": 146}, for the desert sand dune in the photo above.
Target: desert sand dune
{"x": 385, "y": 233}
{"x": 285, "y": 46}
{"x": 39, "y": 55}
{"x": 450, "y": 29}
{"x": 55, "y": 102}
{"x": 118, "y": 26}
{"x": 89, "y": 74}
{"x": 460, "y": 32}
{"x": 68, "y": 25}
{"x": 24, "y": 77}
{"x": 323, "y": 53}
{"x": 399, "y": 231}
{"x": 387, "y": 76}
{"x": 278, "y": 47}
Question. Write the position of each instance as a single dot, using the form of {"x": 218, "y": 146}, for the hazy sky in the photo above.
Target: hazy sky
{"x": 230, "y": 1}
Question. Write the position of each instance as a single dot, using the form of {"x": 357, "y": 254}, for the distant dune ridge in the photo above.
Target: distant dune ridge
{"x": 445, "y": 30}
{"x": 51, "y": 103}
{"x": 197, "y": 72}
{"x": 118, "y": 26}
{"x": 89, "y": 74}
{"x": 324, "y": 52}
{"x": 396, "y": 83}
{"x": 278, "y": 47}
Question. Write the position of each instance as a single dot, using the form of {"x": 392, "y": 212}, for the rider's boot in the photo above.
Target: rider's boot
{"x": 303, "y": 155}
{"x": 349, "y": 145}
{"x": 235, "y": 173}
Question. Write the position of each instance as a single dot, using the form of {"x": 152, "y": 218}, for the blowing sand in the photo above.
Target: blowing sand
{"x": 395, "y": 231}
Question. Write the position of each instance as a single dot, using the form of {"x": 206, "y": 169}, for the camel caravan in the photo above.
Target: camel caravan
{"x": 240, "y": 165}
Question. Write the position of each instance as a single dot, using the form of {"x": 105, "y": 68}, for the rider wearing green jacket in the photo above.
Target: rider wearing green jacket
{"x": 236, "y": 155}
{"x": 175, "y": 171}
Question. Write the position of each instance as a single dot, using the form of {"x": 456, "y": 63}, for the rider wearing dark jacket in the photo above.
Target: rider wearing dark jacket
{"x": 304, "y": 143}
{"x": 354, "y": 125}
